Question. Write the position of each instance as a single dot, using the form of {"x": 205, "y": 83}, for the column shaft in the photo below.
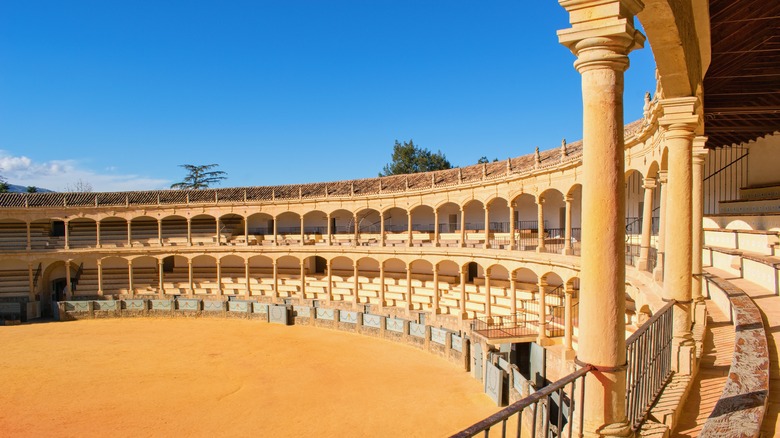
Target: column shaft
{"x": 436, "y": 308}
{"x": 540, "y": 224}
{"x": 660, "y": 257}
{"x": 647, "y": 225}
{"x": 409, "y": 228}
{"x": 488, "y": 297}
{"x": 487, "y": 226}
{"x": 568, "y": 249}
{"x": 246, "y": 278}
{"x": 303, "y": 279}
{"x": 97, "y": 234}
{"x": 436, "y": 228}
{"x": 512, "y": 237}
{"x": 29, "y": 238}
{"x": 381, "y": 285}
{"x": 130, "y": 287}
{"x": 699, "y": 155}
{"x": 462, "y": 227}
{"x": 160, "y": 273}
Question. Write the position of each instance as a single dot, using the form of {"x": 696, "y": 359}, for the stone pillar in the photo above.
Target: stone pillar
{"x": 100, "y": 276}
{"x": 568, "y": 323}
{"x": 601, "y": 36}
{"x": 699, "y": 155}
{"x": 276, "y": 231}
{"x": 356, "y": 230}
{"x": 246, "y": 231}
{"x": 246, "y": 277}
{"x": 658, "y": 272}
{"x": 540, "y": 224}
{"x": 408, "y": 287}
{"x": 130, "y": 287}
{"x": 512, "y": 237}
{"x": 218, "y": 238}
{"x": 130, "y": 233}
{"x": 436, "y": 306}
{"x": 381, "y": 285}
{"x": 435, "y": 228}
{"x": 159, "y": 232}
{"x": 409, "y": 228}
{"x": 303, "y": 231}
{"x": 329, "y": 230}
{"x": 356, "y": 280}
{"x": 161, "y": 279}
{"x": 381, "y": 229}
{"x": 513, "y": 294}
{"x": 67, "y": 234}
{"x": 219, "y": 277}
{"x": 97, "y": 234}
{"x": 189, "y": 276}
{"x": 303, "y": 279}
{"x": 275, "y": 291}
{"x": 463, "y": 313}
{"x": 568, "y": 249}
{"x": 189, "y": 232}
{"x": 330, "y": 279}
{"x": 488, "y": 297}
{"x": 679, "y": 122}
{"x": 462, "y": 227}
{"x": 542, "y": 339}
{"x": 487, "y": 226}
{"x": 647, "y": 225}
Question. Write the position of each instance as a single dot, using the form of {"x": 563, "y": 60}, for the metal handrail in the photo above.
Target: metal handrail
{"x": 517, "y": 408}
{"x": 725, "y": 167}
{"x": 37, "y": 275}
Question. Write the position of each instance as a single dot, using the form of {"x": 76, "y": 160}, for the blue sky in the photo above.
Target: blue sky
{"x": 119, "y": 93}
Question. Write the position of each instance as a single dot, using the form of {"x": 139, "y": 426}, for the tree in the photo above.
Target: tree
{"x": 32, "y": 189}
{"x": 200, "y": 176}
{"x": 4, "y": 187}
{"x": 484, "y": 160}
{"x": 79, "y": 186}
{"x": 408, "y": 158}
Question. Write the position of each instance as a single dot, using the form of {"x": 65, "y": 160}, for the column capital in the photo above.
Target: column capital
{"x": 649, "y": 183}
{"x": 539, "y": 199}
{"x": 699, "y": 149}
{"x": 568, "y": 198}
{"x": 663, "y": 176}
{"x": 680, "y": 117}
{"x": 602, "y": 32}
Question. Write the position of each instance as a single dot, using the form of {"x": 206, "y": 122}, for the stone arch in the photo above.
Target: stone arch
{"x": 204, "y": 275}
{"x": 422, "y": 218}
{"x": 315, "y": 222}
{"x": 474, "y": 211}
{"x": 288, "y": 224}
{"x": 498, "y": 214}
{"x": 115, "y": 275}
{"x": 13, "y": 234}
{"x": 553, "y": 209}
{"x": 82, "y": 233}
{"x": 342, "y": 222}
{"x": 146, "y": 278}
{"x": 449, "y": 217}
{"x": 231, "y": 228}
{"x": 369, "y": 221}
{"x": 174, "y": 230}
{"x": 113, "y": 231}
{"x": 143, "y": 230}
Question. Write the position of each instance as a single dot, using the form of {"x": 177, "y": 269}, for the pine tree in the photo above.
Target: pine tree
{"x": 200, "y": 176}
{"x": 408, "y": 158}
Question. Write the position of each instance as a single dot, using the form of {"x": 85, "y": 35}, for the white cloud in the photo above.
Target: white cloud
{"x": 57, "y": 174}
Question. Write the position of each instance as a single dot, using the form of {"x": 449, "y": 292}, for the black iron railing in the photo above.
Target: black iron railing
{"x": 649, "y": 357}
{"x": 554, "y": 240}
{"x": 449, "y": 228}
{"x": 77, "y": 277}
{"x": 632, "y": 254}
{"x": 499, "y": 227}
{"x": 37, "y": 275}
{"x": 527, "y": 239}
{"x": 521, "y": 323}
{"x": 568, "y": 390}
{"x": 652, "y": 258}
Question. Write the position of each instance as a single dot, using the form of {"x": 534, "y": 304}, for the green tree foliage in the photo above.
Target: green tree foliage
{"x": 4, "y": 187}
{"x": 408, "y": 158}
{"x": 200, "y": 176}
{"x": 32, "y": 189}
{"x": 484, "y": 160}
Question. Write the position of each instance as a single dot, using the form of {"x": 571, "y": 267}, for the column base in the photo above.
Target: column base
{"x": 569, "y": 354}
{"x": 568, "y": 251}
{"x": 683, "y": 354}
{"x": 541, "y": 249}
{"x": 544, "y": 341}
{"x": 699, "y": 311}
{"x": 643, "y": 264}
{"x": 614, "y": 430}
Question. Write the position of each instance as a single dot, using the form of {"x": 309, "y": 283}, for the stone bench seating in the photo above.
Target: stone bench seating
{"x": 742, "y": 404}
{"x": 758, "y": 268}
{"x": 757, "y": 241}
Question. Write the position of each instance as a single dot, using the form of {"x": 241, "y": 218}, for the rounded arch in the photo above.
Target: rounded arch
{"x": 449, "y": 217}
{"x": 174, "y": 230}
{"x": 13, "y": 234}
{"x": 315, "y": 222}
{"x": 422, "y": 218}
{"x": 474, "y": 212}
{"x": 342, "y": 221}
{"x": 113, "y": 231}
{"x": 82, "y": 233}
{"x": 369, "y": 220}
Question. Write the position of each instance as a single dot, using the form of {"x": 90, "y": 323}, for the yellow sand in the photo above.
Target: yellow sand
{"x": 176, "y": 377}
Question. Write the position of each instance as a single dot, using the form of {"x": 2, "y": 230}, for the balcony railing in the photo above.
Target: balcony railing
{"x": 649, "y": 356}
{"x": 568, "y": 390}
{"x": 519, "y": 324}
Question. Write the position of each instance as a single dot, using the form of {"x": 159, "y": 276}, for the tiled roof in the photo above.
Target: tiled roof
{"x": 358, "y": 187}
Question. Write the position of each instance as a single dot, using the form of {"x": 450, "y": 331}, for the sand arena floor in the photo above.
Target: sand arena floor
{"x": 204, "y": 377}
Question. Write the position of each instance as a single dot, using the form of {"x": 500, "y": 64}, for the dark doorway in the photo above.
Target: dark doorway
{"x": 57, "y": 229}
{"x": 473, "y": 271}
{"x": 168, "y": 264}
{"x": 320, "y": 265}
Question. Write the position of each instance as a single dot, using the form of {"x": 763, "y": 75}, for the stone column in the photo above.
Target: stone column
{"x": 542, "y": 339}
{"x": 29, "y": 238}
{"x": 303, "y": 232}
{"x": 356, "y": 230}
{"x": 568, "y": 249}
{"x": 97, "y": 234}
{"x": 462, "y": 227}
{"x": 463, "y": 313}
{"x": 67, "y": 234}
{"x": 130, "y": 287}
{"x": 330, "y": 279}
{"x": 329, "y": 229}
{"x": 647, "y": 225}
{"x": 276, "y": 231}
{"x": 436, "y": 306}
{"x": 568, "y": 323}
{"x": 100, "y": 276}
{"x": 381, "y": 229}
{"x": 488, "y": 297}
{"x": 601, "y": 36}
{"x": 246, "y": 231}
{"x": 658, "y": 272}
{"x": 160, "y": 274}
{"x": 513, "y": 294}
{"x": 189, "y": 277}
{"x": 275, "y": 291}
{"x": 159, "y": 232}
{"x": 679, "y": 122}
{"x": 487, "y": 226}
{"x": 219, "y": 277}
{"x": 218, "y": 237}
{"x": 130, "y": 233}
{"x": 303, "y": 279}
{"x": 409, "y": 228}
{"x": 381, "y": 285}
{"x": 246, "y": 277}
{"x": 408, "y": 287}
{"x": 699, "y": 155}
{"x": 356, "y": 280}
{"x": 436, "y": 228}
{"x": 512, "y": 238}
{"x": 540, "y": 224}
